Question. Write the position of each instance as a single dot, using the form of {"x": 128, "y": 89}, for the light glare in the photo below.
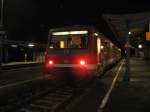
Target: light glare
{"x": 82, "y": 62}
{"x": 96, "y": 34}
{"x": 102, "y": 47}
{"x": 129, "y": 33}
{"x": 50, "y": 62}
{"x": 14, "y": 46}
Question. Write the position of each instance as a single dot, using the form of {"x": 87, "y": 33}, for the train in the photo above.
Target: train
{"x": 80, "y": 51}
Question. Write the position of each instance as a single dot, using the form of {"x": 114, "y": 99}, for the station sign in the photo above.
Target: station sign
{"x": 148, "y": 36}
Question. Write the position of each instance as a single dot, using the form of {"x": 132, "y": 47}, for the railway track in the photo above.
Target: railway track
{"x": 51, "y": 102}
{"x": 48, "y": 99}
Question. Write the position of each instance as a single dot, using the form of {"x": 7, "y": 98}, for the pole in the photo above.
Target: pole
{"x": 127, "y": 57}
{"x": 1, "y": 34}
{"x": 2, "y": 4}
{"x": 127, "y": 62}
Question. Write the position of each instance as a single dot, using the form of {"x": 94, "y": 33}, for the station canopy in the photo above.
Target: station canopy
{"x": 122, "y": 24}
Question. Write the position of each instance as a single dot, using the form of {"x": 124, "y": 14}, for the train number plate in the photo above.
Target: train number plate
{"x": 66, "y": 61}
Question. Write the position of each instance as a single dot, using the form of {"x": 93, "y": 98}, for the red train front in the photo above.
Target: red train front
{"x": 74, "y": 51}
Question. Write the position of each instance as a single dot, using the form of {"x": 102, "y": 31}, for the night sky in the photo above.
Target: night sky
{"x": 30, "y": 20}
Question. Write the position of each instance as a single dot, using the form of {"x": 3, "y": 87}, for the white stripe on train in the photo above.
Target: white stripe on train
{"x": 87, "y": 66}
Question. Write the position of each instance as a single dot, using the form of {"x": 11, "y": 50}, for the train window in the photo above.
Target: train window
{"x": 69, "y": 41}
{"x": 74, "y": 41}
{"x": 62, "y": 44}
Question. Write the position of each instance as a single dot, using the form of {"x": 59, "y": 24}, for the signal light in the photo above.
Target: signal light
{"x": 82, "y": 62}
{"x": 50, "y": 62}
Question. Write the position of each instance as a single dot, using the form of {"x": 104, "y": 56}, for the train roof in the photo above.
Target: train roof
{"x": 75, "y": 27}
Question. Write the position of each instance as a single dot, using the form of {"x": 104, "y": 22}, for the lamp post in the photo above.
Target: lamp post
{"x": 1, "y": 34}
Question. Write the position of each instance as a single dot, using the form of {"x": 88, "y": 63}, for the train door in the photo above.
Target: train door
{"x": 111, "y": 52}
{"x": 98, "y": 54}
{"x": 103, "y": 62}
{"x": 98, "y": 50}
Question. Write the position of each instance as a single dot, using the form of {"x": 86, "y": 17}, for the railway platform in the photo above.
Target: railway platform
{"x": 132, "y": 96}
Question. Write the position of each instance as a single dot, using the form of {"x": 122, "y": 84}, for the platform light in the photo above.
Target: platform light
{"x": 31, "y": 45}
{"x": 14, "y": 46}
{"x": 129, "y": 33}
{"x": 69, "y": 32}
{"x": 140, "y": 46}
{"x": 95, "y": 34}
{"x": 51, "y": 47}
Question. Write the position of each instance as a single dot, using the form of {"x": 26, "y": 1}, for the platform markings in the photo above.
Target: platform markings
{"x": 23, "y": 68}
{"x": 105, "y": 99}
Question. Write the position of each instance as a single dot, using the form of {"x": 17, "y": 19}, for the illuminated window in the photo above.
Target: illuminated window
{"x": 75, "y": 39}
{"x": 62, "y": 44}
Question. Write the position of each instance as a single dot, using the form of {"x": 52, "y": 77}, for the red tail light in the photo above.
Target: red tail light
{"x": 82, "y": 62}
{"x": 50, "y": 62}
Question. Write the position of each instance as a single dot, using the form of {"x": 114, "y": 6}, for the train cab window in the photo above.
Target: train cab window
{"x": 77, "y": 42}
{"x": 69, "y": 41}
{"x": 74, "y": 42}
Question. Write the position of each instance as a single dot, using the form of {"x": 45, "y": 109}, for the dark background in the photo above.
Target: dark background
{"x": 30, "y": 20}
